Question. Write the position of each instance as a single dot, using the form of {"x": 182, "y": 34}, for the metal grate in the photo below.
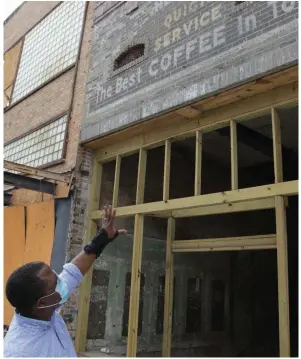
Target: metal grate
{"x": 49, "y": 47}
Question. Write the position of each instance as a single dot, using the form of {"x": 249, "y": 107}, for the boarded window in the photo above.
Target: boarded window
{"x": 98, "y": 304}
{"x": 126, "y": 305}
{"x": 194, "y": 305}
{"x": 129, "y": 55}
{"x": 160, "y": 306}
{"x": 218, "y": 306}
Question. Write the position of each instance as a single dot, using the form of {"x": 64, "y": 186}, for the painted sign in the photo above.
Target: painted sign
{"x": 178, "y": 36}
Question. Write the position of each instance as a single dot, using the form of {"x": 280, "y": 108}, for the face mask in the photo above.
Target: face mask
{"x": 62, "y": 289}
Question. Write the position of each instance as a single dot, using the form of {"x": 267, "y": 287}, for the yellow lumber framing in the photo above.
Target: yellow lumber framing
{"x": 166, "y": 178}
{"x": 289, "y": 188}
{"x": 252, "y": 205}
{"x": 239, "y": 111}
{"x": 278, "y": 169}
{"x": 226, "y": 244}
{"x": 283, "y": 292}
{"x": 169, "y": 283}
{"x": 141, "y": 176}
{"x": 234, "y": 162}
{"x": 135, "y": 287}
{"x": 116, "y": 182}
{"x": 198, "y": 163}
{"x": 85, "y": 288}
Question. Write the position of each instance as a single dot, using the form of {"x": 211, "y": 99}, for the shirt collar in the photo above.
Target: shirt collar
{"x": 25, "y": 321}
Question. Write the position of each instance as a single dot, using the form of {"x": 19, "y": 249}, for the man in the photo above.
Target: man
{"x": 37, "y": 330}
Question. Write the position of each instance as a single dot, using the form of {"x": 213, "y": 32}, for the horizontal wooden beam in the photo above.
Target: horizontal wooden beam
{"x": 27, "y": 170}
{"x": 252, "y": 205}
{"x": 229, "y": 197}
{"x": 155, "y": 135}
{"x": 226, "y": 244}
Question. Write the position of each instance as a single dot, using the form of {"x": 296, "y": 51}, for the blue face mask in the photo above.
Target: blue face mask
{"x": 62, "y": 289}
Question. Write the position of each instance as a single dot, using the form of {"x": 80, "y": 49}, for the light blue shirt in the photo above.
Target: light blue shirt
{"x": 37, "y": 338}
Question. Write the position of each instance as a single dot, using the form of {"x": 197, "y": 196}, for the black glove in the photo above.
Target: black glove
{"x": 99, "y": 242}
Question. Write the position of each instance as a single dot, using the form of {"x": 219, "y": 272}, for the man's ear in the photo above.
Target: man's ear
{"x": 41, "y": 302}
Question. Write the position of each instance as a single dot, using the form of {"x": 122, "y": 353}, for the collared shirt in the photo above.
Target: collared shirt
{"x": 37, "y": 338}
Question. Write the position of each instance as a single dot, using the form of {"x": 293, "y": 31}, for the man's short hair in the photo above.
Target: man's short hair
{"x": 24, "y": 287}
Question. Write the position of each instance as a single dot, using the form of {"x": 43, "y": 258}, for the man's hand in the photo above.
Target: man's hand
{"x": 108, "y": 219}
{"x": 93, "y": 249}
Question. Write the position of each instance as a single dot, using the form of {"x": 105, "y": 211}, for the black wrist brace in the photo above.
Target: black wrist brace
{"x": 99, "y": 243}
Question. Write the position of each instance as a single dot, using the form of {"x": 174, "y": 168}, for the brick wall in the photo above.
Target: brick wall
{"x": 192, "y": 50}
{"x": 49, "y": 102}
{"x": 35, "y": 110}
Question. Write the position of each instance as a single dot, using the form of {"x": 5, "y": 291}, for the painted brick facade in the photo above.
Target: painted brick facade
{"x": 192, "y": 50}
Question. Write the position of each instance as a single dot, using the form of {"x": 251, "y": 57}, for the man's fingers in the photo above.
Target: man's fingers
{"x": 104, "y": 215}
{"x": 122, "y": 231}
{"x": 113, "y": 215}
{"x": 110, "y": 213}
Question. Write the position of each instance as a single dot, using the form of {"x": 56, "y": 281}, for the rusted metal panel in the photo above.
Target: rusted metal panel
{"x": 14, "y": 246}
{"x": 39, "y": 232}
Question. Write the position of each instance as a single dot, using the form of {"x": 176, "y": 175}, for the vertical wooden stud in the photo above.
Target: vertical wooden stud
{"x": 198, "y": 163}
{"x": 116, "y": 182}
{"x": 85, "y": 288}
{"x": 166, "y": 178}
{"x": 282, "y": 264}
{"x": 135, "y": 287}
{"x": 141, "y": 176}
{"x": 169, "y": 283}
{"x": 277, "y": 147}
{"x": 234, "y": 162}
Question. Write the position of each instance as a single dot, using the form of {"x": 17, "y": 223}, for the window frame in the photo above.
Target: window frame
{"x": 44, "y": 124}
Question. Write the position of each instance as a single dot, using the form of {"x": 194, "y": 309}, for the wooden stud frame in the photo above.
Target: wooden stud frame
{"x": 135, "y": 287}
{"x": 198, "y": 163}
{"x": 282, "y": 266}
{"x": 116, "y": 182}
{"x": 226, "y": 244}
{"x": 236, "y": 200}
{"x": 166, "y": 178}
{"x": 234, "y": 162}
{"x": 169, "y": 283}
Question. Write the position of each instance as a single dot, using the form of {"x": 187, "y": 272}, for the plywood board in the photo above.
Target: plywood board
{"x": 39, "y": 232}
{"x": 14, "y": 246}
{"x": 11, "y": 60}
